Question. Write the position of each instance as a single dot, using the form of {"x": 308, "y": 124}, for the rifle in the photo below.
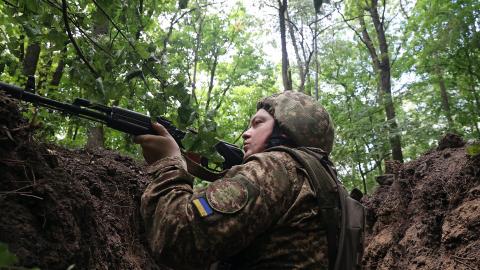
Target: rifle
{"x": 122, "y": 120}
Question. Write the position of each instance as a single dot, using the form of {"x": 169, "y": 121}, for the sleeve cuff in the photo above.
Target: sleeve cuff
{"x": 167, "y": 164}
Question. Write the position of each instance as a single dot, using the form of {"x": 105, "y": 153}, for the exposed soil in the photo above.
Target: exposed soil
{"x": 426, "y": 213}
{"x": 68, "y": 207}
{"x": 72, "y": 207}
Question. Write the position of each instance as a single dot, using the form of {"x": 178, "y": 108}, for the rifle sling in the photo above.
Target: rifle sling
{"x": 201, "y": 172}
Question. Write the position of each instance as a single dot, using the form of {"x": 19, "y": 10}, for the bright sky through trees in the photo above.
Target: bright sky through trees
{"x": 395, "y": 75}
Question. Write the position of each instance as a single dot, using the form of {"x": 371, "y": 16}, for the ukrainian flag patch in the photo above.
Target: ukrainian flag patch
{"x": 203, "y": 207}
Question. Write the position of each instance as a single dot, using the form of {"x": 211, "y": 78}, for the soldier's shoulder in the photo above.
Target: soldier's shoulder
{"x": 273, "y": 157}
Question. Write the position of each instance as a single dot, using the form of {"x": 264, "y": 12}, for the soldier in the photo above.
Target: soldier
{"x": 262, "y": 214}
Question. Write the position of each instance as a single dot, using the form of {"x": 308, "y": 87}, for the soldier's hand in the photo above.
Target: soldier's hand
{"x": 156, "y": 147}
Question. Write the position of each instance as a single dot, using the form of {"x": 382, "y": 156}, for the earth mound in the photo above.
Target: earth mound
{"x": 426, "y": 213}
{"x": 68, "y": 207}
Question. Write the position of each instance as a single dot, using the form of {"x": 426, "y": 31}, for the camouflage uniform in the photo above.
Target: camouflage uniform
{"x": 260, "y": 215}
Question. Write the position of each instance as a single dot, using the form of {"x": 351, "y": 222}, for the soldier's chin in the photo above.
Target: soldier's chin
{"x": 248, "y": 153}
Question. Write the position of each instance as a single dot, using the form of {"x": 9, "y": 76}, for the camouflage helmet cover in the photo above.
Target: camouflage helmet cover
{"x": 303, "y": 120}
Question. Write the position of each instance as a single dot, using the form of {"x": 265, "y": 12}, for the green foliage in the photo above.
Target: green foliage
{"x": 473, "y": 149}
{"x": 204, "y": 140}
{"x": 142, "y": 56}
{"x": 202, "y": 66}
{"x": 6, "y": 257}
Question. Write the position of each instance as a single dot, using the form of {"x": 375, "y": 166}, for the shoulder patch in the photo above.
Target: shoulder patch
{"x": 202, "y": 207}
{"x": 227, "y": 195}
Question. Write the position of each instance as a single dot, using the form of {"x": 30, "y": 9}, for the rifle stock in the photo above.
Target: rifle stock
{"x": 120, "y": 119}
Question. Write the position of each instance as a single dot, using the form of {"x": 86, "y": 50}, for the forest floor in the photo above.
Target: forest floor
{"x": 74, "y": 207}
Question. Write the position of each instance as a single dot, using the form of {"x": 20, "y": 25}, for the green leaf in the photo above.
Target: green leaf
{"x": 6, "y": 257}
{"x": 57, "y": 38}
{"x": 186, "y": 115}
{"x": 33, "y": 5}
{"x": 32, "y": 30}
{"x": 142, "y": 50}
{"x": 190, "y": 141}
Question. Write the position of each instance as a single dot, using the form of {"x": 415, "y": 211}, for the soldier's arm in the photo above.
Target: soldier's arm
{"x": 187, "y": 228}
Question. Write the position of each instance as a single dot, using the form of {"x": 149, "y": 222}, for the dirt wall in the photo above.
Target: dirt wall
{"x": 426, "y": 213}
{"x": 68, "y": 207}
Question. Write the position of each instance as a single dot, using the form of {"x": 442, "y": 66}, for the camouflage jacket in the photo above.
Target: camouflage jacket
{"x": 261, "y": 215}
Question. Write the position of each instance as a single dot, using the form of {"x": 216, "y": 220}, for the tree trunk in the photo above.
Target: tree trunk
{"x": 395, "y": 140}
{"x": 445, "y": 100}
{"x": 382, "y": 68}
{"x": 286, "y": 74}
{"x": 29, "y": 68}
{"x": 95, "y": 137}
{"x": 57, "y": 75}
{"x": 213, "y": 70}
{"x": 300, "y": 64}
{"x": 378, "y": 157}
{"x": 31, "y": 59}
{"x": 21, "y": 49}
{"x": 95, "y": 134}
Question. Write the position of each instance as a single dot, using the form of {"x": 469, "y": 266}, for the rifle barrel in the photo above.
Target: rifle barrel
{"x": 117, "y": 118}
{"x": 18, "y": 93}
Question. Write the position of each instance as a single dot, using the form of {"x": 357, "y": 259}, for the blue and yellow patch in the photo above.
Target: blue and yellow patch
{"x": 203, "y": 207}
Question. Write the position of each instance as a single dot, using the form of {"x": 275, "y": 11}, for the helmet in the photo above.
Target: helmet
{"x": 301, "y": 118}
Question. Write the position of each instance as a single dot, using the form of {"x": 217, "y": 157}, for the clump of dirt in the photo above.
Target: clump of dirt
{"x": 450, "y": 140}
{"x": 426, "y": 213}
{"x": 68, "y": 207}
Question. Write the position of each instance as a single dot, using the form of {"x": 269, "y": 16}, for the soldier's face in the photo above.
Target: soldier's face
{"x": 256, "y": 136}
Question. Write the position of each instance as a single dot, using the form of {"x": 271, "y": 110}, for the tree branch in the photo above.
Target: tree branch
{"x": 402, "y": 8}
{"x": 154, "y": 74}
{"x": 320, "y": 19}
{"x": 383, "y": 12}
{"x": 95, "y": 44}
{"x": 271, "y": 6}
{"x": 380, "y": 29}
{"x": 212, "y": 76}
{"x": 76, "y": 24}
{"x": 351, "y": 26}
{"x": 10, "y": 4}
{"x": 72, "y": 39}
{"x": 368, "y": 42}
